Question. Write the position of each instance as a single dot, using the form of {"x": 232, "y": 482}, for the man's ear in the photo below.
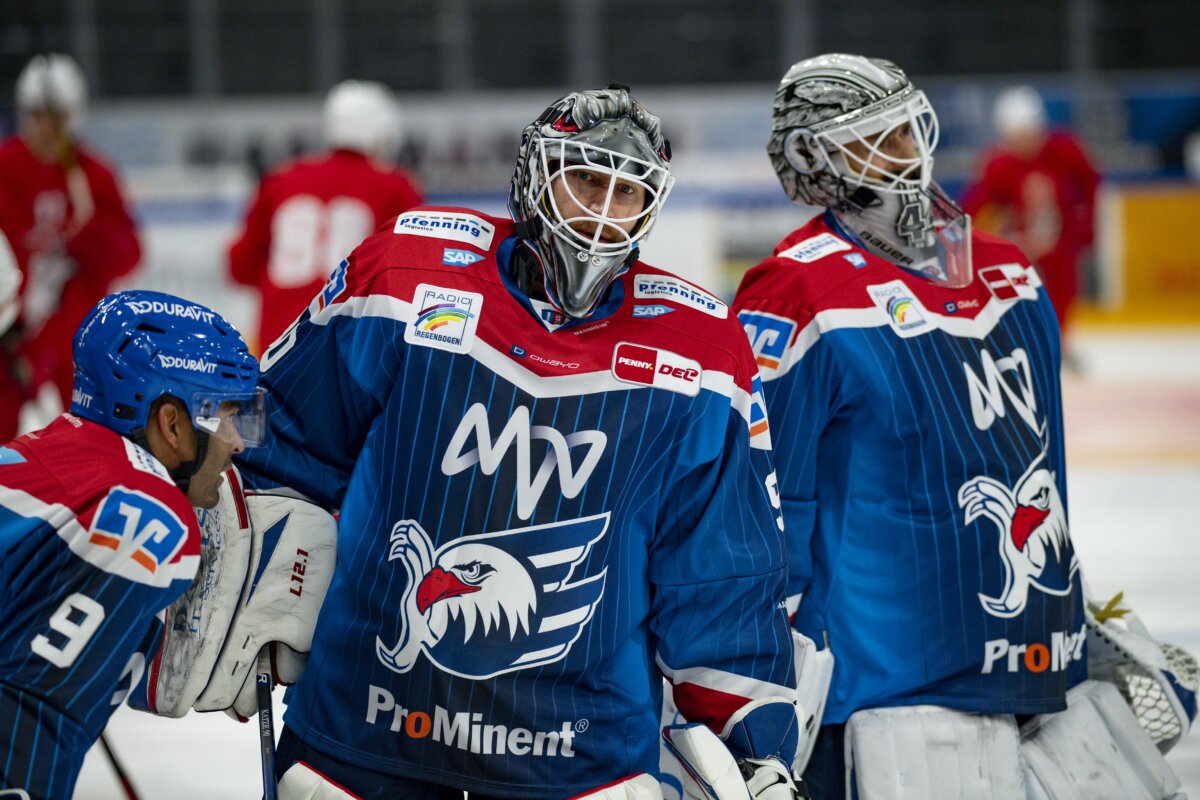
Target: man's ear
{"x": 169, "y": 432}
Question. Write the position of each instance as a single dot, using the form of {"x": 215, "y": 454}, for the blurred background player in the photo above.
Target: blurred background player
{"x": 97, "y": 531}
{"x": 630, "y": 535}
{"x": 67, "y": 223}
{"x": 309, "y": 213}
{"x": 911, "y": 375}
{"x": 1037, "y": 188}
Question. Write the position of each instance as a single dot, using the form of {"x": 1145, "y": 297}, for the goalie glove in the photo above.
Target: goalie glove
{"x": 266, "y": 564}
{"x": 1158, "y": 680}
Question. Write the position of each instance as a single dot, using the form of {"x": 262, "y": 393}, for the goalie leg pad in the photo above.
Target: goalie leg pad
{"x": 931, "y": 753}
{"x": 302, "y": 782}
{"x": 294, "y": 554}
{"x": 814, "y": 670}
{"x": 1095, "y": 748}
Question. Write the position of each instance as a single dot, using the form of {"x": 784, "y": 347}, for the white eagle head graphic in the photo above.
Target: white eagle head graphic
{"x": 476, "y": 608}
{"x": 1033, "y": 527}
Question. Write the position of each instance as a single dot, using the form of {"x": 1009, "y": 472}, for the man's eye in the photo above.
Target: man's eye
{"x": 625, "y": 188}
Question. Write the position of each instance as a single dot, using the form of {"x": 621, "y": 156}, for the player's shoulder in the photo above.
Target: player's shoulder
{"x": 808, "y": 269}
{"x": 988, "y": 249}
{"x": 657, "y": 292}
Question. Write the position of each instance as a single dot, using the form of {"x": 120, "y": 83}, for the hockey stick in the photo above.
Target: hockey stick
{"x": 266, "y": 724}
{"x": 122, "y": 776}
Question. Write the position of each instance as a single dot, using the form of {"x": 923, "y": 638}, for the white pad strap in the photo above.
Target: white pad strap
{"x": 302, "y": 782}
{"x": 291, "y": 566}
{"x": 814, "y": 670}
{"x": 931, "y": 753}
{"x": 1095, "y": 748}
{"x": 635, "y": 787}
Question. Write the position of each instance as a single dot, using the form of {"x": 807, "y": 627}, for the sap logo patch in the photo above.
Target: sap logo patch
{"x": 649, "y": 366}
{"x": 10, "y": 456}
{"x": 662, "y": 287}
{"x": 459, "y": 258}
{"x": 443, "y": 318}
{"x": 817, "y": 247}
{"x": 857, "y": 259}
{"x": 519, "y": 352}
{"x": 1009, "y": 282}
{"x": 769, "y": 336}
{"x": 904, "y": 312}
{"x": 135, "y": 525}
{"x": 445, "y": 225}
{"x": 651, "y": 311}
{"x": 334, "y": 286}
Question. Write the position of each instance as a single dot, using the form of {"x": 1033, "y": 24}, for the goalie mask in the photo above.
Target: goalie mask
{"x": 591, "y": 176}
{"x": 854, "y": 135}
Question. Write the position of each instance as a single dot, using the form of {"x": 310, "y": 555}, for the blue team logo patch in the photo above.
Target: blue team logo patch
{"x": 10, "y": 456}
{"x": 858, "y": 260}
{"x": 137, "y": 526}
{"x": 483, "y": 605}
{"x": 651, "y": 310}
{"x": 459, "y": 258}
{"x": 519, "y": 352}
{"x": 769, "y": 336}
{"x": 951, "y": 307}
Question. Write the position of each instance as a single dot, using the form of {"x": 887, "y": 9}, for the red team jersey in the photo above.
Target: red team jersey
{"x": 1045, "y": 204}
{"x": 307, "y": 216}
{"x": 36, "y": 218}
{"x": 95, "y": 539}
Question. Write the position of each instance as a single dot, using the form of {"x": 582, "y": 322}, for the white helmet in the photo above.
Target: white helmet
{"x": 53, "y": 82}
{"x": 363, "y": 116}
{"x": 1019, "y": 109}
{"x": 10, "y": 284}
{"x": 833, "y": 116}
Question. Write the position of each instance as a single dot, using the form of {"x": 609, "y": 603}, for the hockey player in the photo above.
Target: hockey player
{"x": 555, "y": 488}
{"x": 308, "y": 214}
{"x": 1040, "y": 190}
{"x": 68, "y": 226}
{"x": 97, "y": 531}
{"x": 910, "y": 368}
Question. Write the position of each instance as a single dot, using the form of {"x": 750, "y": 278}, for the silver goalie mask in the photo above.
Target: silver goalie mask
{"x": 854, "y": 135}
{"x": 591, "y": 176}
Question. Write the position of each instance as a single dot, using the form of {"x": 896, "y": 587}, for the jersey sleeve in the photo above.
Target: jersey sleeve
{"x": 107, "y": 246}
{"x": 327, "y": 379}
{"x": 800, "y": 391}
{"x": 718, "y": 570}
{"x": 249, "y": 253}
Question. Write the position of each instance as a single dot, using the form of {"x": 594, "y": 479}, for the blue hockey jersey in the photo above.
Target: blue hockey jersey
{"x": 919, "y": 445}
{"x": 95, "y": 540}
{"x": 539, "y": 517}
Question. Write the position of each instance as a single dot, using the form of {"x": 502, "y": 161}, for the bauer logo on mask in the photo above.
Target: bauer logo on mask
{"x": 483, "y": 605}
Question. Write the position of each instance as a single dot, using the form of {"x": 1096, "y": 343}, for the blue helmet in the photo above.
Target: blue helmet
{"x": 135, "y": 347}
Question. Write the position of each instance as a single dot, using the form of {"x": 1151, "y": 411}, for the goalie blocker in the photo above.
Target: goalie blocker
{"x": 266, "y": 564}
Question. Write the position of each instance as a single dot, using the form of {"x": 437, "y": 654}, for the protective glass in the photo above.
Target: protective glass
{"x": 232, "y": 418}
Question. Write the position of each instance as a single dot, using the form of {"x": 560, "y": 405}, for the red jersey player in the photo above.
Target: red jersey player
{"x": 1040, "y": 191}
{"x": 310, "y": 213}
{"x": 66, "y": 221}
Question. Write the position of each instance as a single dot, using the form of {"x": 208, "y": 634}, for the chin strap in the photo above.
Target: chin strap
{"x": 182, "y": 475}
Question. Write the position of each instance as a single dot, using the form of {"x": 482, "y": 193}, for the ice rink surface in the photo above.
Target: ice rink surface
{"x": 1133, "y": 442}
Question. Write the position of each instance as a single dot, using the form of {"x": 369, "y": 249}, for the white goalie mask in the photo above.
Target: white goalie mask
{"x": 579, "y": 163}
{"x": 836, "y": 123}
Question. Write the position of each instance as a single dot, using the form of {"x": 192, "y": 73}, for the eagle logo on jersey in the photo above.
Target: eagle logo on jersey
{"x": 483, "y": 605}
{"x": 1035, "y": 545}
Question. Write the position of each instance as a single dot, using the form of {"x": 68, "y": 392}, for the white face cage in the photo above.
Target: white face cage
{"x": 871, "y": 127}
{"x": 598, "y": 228}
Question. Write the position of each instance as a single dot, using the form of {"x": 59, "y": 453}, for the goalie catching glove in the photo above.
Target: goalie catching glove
{"x": 265, "y": 566}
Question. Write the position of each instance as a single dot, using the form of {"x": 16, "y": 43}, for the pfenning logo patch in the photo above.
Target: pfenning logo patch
{"x": 443, "y": 318}
{"x": 445, "y": 225}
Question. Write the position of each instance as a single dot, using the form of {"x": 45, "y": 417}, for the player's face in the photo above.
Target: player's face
{"x": 584, "y": 193}
{"x": 890, "y": 157}
{"x": 222, "y": 447}
{"x": 44, "y": 131}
